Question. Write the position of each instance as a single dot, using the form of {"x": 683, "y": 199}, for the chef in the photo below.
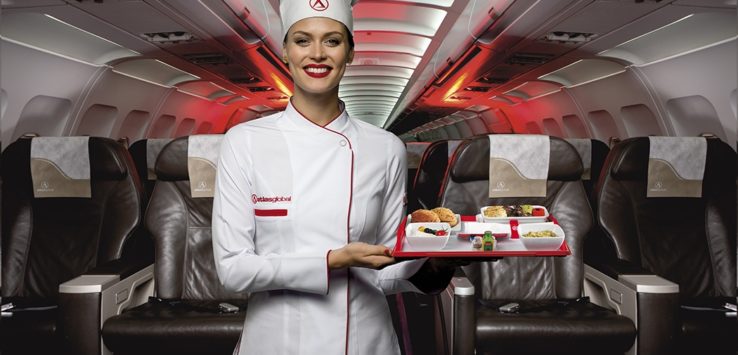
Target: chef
{"x": 306, "y": 207}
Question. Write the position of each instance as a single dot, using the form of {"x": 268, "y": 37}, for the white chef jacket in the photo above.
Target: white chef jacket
{"x": 287, "y": 192}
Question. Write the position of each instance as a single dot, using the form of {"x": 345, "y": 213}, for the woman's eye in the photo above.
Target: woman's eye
{"x": 333, "y": 42}
{"x": 301, "y": 41}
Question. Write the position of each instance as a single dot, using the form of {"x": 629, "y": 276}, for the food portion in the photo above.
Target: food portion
{"x": 446, "y": 215}
{"x": 540, "y": 234}
{"x": 438, "y": 214}
{"x": 514, "y": 211}
{"x": 495, "y": 211}
{"x": 435, "y": 232}
{"x": 424, "y": 216}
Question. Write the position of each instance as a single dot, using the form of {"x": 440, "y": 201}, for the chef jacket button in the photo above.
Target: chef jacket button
{"x": 342, "y": 143}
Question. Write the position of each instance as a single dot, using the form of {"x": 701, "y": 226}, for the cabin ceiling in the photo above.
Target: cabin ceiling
{"x": 416, "y": 60}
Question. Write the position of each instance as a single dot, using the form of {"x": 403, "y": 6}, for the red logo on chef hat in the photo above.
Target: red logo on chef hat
{"x": 253, "y": 198}
{"x": 319, "y": 5}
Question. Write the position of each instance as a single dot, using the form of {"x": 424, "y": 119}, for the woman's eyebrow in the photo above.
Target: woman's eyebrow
{"x": 311, "y": 35}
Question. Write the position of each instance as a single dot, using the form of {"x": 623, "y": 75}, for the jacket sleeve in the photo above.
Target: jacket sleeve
{"x": 239, "y": 267}
{"x": 395, "y": 278}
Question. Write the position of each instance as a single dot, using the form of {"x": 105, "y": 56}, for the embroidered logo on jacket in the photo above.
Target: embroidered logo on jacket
{"x": 271, "y": 199}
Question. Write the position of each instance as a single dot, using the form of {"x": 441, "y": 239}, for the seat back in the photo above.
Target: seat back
{"x": 592, "y": 160}
{"x": 47, "y": 241}
{"x": 181, "y": 228}
{"x": 466, "y": 189}
{"x": 431, "y": 172}
{"x": 144, "y": 153}
{"x": 689, "y": 241}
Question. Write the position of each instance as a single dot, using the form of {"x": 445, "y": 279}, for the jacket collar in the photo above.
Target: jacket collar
{"x": 338, "y": 124}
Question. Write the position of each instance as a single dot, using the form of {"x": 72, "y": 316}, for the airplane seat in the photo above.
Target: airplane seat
{"x": 689, "y": 241}
{"x": 415, "y": 151}
{"x": 597, "y": 153}
{"x": 144, "y": 153}
{"x": 431, "y": 172}
{"x": 51, "y": 235}
{"x": 553, "y": 316}
{"x": 184, "y": 317}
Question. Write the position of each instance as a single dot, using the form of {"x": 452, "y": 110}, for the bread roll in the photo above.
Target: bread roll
{"x": 446, "y": 215}
{"x": 424, "y": 216}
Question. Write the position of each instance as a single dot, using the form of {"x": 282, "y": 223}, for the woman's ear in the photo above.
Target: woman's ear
{"x": 350, "y": 57}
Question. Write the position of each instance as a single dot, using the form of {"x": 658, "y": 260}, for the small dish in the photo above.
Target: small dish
{"x": 420, "y": 241}
{"x": 541, "y": 243}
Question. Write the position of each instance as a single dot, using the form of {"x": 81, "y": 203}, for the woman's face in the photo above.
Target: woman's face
{"x": 317, "y": 51}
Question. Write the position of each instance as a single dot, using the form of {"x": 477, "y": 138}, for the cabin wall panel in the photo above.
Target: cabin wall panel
{"x": 127, "y": 94}
{"x": 574, "y": 126}
{"x": 532, "y": 127}
{"x": 603, "y": 125}
{"x": 163, "y": 127}
{"x": 135, "y": 125}
{"x": 551, "y": 107}
{"x": 694, "y": 115}
{"x": 98, "y": 120}
{"x": 710, "y": 73}
{"x": 607, "y": 96}
{"x": 3, "y": 102}
{"x": 204, "y": 128}
{"x": 464, "y": 129}
{"x": 477, "y": 126}
{"x": 551, "y": 127}
{"x": 640, "y": 121}
{"x": 180, "y": 105}
{"x": 44, "y": 115}
{"x": 29, "y": 73}
{"x": 452, "y": 132}
{"x": 734, "y": 103}
{"x": 185, "y": 127}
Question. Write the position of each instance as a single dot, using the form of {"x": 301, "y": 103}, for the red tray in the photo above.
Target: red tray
{"x": 399, "y": 253}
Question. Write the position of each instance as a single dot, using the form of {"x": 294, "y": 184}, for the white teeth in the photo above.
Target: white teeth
{"x": 316, "y": 70}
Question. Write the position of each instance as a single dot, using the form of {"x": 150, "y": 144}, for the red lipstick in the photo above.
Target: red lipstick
{"x": 317, "y": 70}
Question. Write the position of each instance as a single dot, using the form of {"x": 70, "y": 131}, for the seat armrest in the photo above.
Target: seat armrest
{"x": 85, "y": 302}
{"x": 121, "y": 267}
{"x": 458, "y": 305}
{"x": 651, "y": 302}
{"x": 616, "y": 267}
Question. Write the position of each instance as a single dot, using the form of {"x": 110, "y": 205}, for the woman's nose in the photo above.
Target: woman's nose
{"x": 317, "y": 52}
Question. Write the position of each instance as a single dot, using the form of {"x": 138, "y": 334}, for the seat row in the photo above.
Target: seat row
{"x": 77, "y": 268}
{"x": 658, "y": 271}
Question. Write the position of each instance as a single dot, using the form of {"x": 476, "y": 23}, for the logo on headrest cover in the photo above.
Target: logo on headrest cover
{"x": 319, "y": 5}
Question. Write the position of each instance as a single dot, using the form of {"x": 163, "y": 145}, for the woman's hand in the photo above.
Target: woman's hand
{"x": 358, "y": 254}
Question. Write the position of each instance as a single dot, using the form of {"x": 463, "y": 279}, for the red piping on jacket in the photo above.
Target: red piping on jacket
{"x": 348, "y": 219}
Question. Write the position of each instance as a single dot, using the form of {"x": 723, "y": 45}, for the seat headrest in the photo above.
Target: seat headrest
{"x": 107, "y": 157}
{"x": 171, "y": 165}
{"x": 471, "y": 161}
{"x": 631, "y": 158}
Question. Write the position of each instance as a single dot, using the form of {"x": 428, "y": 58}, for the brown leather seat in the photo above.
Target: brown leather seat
{"x": 47, "y": 241}
{"x": 184, "y": 318}
{"x": 553, "y": 317}
{"x": 430, "y": 174}
{"x": 688, "y": 241}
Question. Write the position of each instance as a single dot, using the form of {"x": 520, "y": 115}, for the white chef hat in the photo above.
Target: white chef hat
{"x": 292, "y": 11}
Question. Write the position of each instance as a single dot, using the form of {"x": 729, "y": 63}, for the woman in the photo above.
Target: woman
{"x": 307, "y": 204}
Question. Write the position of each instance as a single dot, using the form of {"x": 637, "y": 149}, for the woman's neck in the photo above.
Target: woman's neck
{"x": 320, "y": 109}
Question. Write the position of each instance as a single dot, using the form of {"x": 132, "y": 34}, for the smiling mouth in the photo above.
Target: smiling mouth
{"x": 317, "y": 71}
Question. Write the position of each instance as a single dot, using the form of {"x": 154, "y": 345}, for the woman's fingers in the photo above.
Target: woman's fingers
{"x": 367, "y": 255}
{"x": 377, "y": 261}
